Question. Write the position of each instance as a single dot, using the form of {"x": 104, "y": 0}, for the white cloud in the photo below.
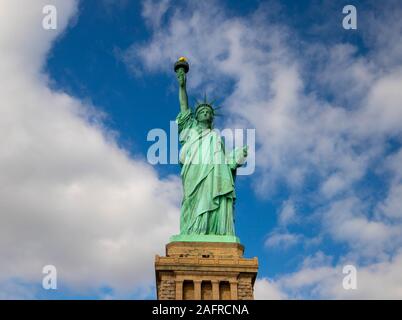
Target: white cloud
{"x": 317, "y": 279}
{"x": 266, "y": 289}
{"x": 299, "y": 134}
{"x": 153, "y": 11}
{"x": 383, "y": 113}
{"x": 322, "y": 112}
{"x": 69, "y": 195}
{"x": 283, "y": 240}
{"x": 392, "y": 205}
{"x": 382, "y": 280}
{"x": 287, "y": 214}
{"x": 346, "y": 221}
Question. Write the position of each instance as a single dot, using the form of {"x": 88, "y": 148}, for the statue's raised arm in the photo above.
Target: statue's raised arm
{"x": 181, "y": 67}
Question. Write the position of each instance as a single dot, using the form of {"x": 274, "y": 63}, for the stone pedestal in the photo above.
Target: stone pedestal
{"x": 205, "y": 271}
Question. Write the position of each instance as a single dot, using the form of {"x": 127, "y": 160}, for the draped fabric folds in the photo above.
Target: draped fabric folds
{"x": 208, "y": 180}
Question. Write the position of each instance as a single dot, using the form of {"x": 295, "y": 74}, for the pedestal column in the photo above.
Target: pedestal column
{"x": 233, "y": 290}
{"x": 179, "y": 289}
{"x": 215, "y": 289}
{"x": 197, "y": 289}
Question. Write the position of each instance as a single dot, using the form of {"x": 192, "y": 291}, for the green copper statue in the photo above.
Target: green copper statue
{"x": 207, "y": 173}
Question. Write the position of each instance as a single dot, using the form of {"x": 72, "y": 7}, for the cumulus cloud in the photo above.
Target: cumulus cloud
{"x": 391, "y": 206}
{"x": 69, "y": 196}
{"x": 266, "y": 289}
{"x": 281, "y": 237}
{"x": 283, "y": 240}
{"x": 318, "y": 279}
{"x": 323, "y": 111}
{"x": 153, "y": 11}
{"x": 346, "y": 221}
{"x": 287, "y": 214}
{"x": 253, "y": 61}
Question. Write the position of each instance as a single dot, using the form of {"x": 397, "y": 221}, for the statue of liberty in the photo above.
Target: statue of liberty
{"x": 208, "y": 174}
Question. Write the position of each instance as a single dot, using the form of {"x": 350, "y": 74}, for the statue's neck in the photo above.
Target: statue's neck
{"x": 204, "y": 124}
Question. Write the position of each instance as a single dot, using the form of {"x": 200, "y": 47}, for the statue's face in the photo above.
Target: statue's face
{"x": 205, "y": 114}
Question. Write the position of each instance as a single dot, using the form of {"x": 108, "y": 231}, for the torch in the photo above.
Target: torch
{"x": 181, "y": 63}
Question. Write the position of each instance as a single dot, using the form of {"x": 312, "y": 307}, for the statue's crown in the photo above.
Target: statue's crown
{"x": 205, "y": 104}
{"x": 202, "y": 106}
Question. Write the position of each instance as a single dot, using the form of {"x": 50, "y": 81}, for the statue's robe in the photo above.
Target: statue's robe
{"x": 208, "y": 180}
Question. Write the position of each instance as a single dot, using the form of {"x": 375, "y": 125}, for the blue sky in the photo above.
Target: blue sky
{"x": 324, "y": 102}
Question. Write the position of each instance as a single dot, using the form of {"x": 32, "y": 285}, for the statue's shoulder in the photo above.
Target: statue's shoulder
{"x": 188, "y": 112}
{"x": 185, "y": 118}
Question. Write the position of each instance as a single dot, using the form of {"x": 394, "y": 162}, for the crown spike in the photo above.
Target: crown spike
{"x": 200, "y": 104}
